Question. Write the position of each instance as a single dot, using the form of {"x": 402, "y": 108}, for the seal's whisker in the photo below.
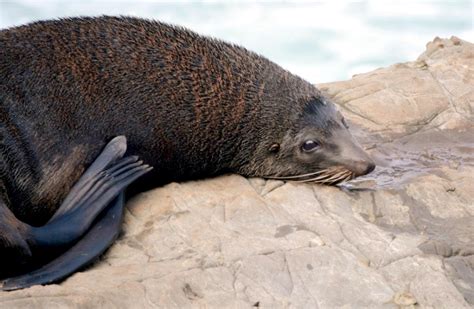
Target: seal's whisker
{"x": 338, "y": 175}
{"x": 346, "y": 176}
{"x": 316, "y": 179}
{"x": 295, "y": 176}
{"x": 331, "y": 175}
{"x": 350, "y": 176}
{"x": 326, "y": 172}
{"x": 335, "y": 178}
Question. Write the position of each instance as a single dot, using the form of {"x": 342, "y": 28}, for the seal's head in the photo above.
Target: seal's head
{"x": 316, "y": 146}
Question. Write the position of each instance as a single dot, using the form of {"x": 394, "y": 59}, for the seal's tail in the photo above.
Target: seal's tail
{"x": 93, "y": 209}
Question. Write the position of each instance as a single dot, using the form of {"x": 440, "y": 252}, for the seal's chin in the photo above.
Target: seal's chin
{"x": 328, "y": 176}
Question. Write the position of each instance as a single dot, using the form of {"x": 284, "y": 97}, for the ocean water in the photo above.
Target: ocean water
{"x": 321, "y": 41}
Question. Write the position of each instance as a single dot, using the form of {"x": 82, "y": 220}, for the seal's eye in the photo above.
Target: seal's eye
{"x": 309, "y": 146}
{"x": 274, "y": 148}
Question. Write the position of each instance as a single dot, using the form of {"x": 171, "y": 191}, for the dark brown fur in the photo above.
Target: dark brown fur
{"x": 190, "y": 106}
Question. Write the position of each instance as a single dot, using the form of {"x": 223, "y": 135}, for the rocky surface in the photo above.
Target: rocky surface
{"x": 401, "y": 237}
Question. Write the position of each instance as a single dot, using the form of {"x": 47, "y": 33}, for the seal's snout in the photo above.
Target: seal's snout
{"x": 363, "y": 167}
{"x": 370, "y": 168}
{"x": 353, "y": 157}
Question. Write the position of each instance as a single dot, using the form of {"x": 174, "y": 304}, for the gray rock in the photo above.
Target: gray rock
{"x": 400, "y": 237}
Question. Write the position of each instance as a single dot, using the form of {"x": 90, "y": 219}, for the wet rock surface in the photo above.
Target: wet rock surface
{"x": 401, "y": 237}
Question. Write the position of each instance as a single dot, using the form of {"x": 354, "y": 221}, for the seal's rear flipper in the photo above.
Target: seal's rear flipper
{"x": 91, "y": 246}
{"x": 105, "y": 179}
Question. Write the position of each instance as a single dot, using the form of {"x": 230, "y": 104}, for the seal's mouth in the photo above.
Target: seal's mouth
{"x": 328, "y": 176}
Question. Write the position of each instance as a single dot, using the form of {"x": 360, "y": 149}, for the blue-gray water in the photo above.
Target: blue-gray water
{"x": 320, "y": 41}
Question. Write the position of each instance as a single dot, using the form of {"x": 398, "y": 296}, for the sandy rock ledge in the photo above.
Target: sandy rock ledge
{"x": 403, "y": 237}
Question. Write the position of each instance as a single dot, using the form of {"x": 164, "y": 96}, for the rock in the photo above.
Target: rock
{"x": 433, "y": 92}
{"x": 402, "y": 236}
{"x": 404, "y": 299}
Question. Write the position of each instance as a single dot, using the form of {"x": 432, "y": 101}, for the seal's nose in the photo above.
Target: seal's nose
{"x": 363, "y": 167}
{"x": 370, "y": 167}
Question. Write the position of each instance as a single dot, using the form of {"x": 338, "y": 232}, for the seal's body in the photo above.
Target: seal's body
{"x": 189, "y": 105}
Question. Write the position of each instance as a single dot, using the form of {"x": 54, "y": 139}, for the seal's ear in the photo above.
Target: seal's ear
{"x": 274, "y": 148}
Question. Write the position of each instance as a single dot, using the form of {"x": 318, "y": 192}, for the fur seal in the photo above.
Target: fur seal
{"x": 189, "y": 105}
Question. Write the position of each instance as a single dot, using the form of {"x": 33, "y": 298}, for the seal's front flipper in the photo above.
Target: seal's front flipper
{"x": 91, "y": 246}
{"x": 107, "y": 176}
{"x": 113, "y": 151}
